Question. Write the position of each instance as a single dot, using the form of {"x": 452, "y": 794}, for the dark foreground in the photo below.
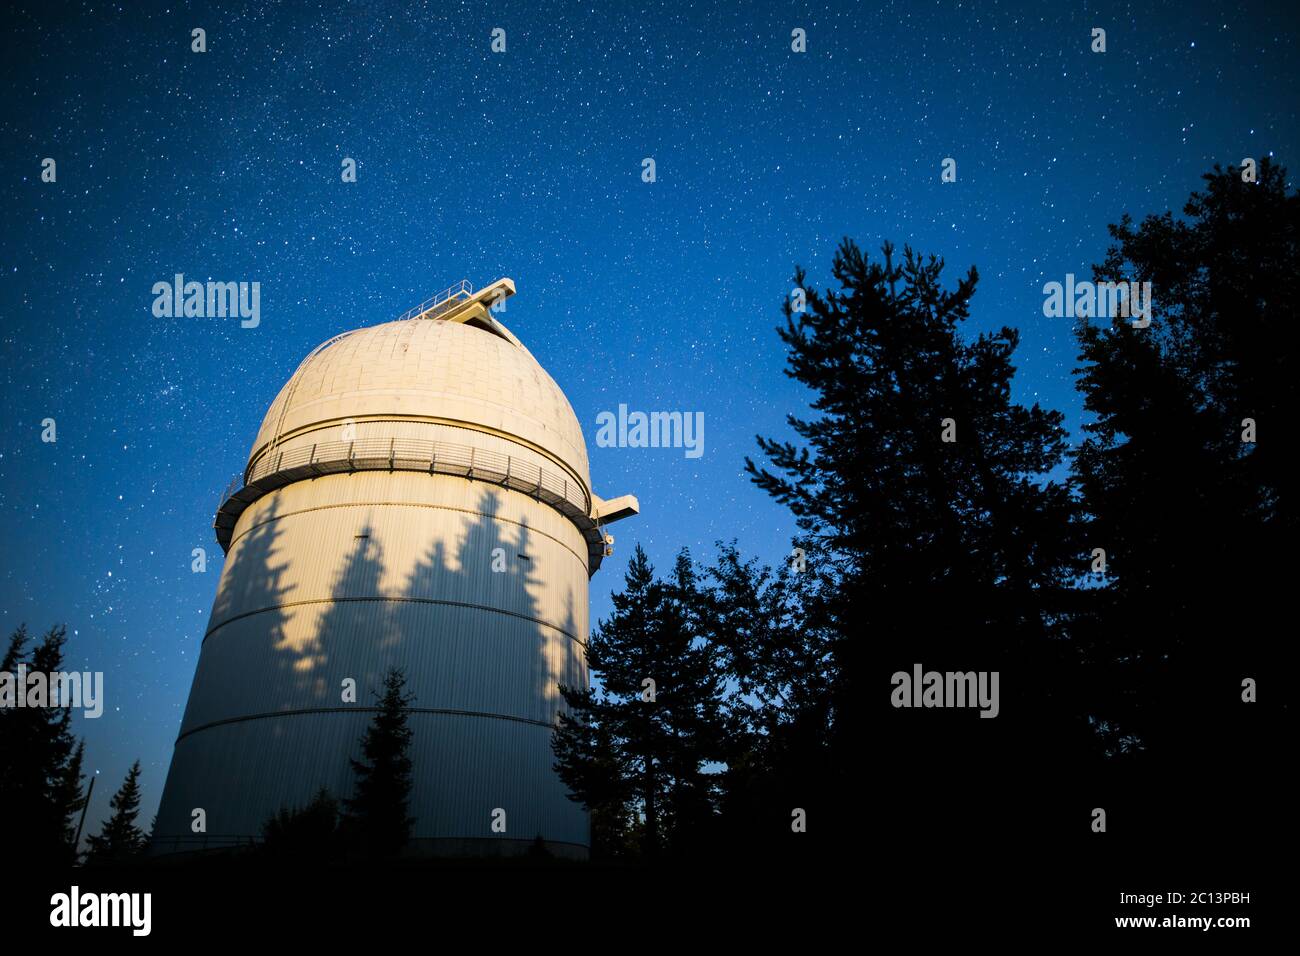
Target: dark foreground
{"x": 960, "y": 890}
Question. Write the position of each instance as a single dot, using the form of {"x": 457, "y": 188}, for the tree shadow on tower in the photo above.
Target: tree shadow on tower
{"x": 482, "y": 649}
{"x": 360, "y": 614}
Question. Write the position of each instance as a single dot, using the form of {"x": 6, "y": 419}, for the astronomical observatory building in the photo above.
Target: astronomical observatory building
{"x": 418, "y": 496}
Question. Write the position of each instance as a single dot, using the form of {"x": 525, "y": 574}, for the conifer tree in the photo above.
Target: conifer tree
{"x": 14, "y": 735}
{"x": 306, "y": 833}
{"x": 14, "y": 652}
{"x": 377, "y": 817}
{"x": 776, "y": 656}
{"x": 40, "y": 762}
{"x": 921, "y": 489}
{"x": 120, "y": 840}
{"x": 1187, "y": 473}
{"x": 647, "y": 732}
{"x": 69, "y": 794}
{"x": 596, "y": 772}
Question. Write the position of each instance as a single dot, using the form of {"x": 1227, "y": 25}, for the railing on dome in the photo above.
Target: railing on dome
{"x": 432, "y": 307}
{"x": 279, "y": 467}
{"x": 234, "y": 484}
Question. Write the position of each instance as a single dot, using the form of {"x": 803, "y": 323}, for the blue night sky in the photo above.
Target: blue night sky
{"x": 664, "y": 296}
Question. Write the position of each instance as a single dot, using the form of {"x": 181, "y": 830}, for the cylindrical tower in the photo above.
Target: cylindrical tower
{"x": 417, "y": 497}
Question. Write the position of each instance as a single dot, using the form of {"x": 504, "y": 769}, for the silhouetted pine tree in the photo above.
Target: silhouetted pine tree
{"x": 646, "y": 742}
{"x": 1198, "y": 524}
{"x": 376, "y": 819}
{"x": 694, "y": 711}
{"x": 777, "y": 659}
{"x": 537, "y": 850}
{"x": 14, "y": 652}
{"x": 68, "y": 794}
{"x": 120, "y": 840}
{"x": 955, "y": 555}
{"x": 15, "y": 743}
{"x": 40, "y": 762}
{"x": 597, "y": 774}
{"x": 309, "y": 833}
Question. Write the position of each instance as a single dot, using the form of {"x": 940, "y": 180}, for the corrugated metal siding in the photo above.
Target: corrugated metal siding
{"x": 379, "y": 488}
{"x": 465, "y": 768}
{"x": 456, "y": 658}
{"x": 304, "y": 603}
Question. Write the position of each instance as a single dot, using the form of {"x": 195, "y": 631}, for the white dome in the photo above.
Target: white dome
{"x": 446, "y": 389}
{"x": 429, "y": 371}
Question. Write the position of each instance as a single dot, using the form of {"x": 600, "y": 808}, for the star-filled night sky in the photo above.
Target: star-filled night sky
{"x": 226, "y": 165}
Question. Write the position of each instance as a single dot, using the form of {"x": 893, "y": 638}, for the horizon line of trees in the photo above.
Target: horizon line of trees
{"x": 743, "y": 709}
